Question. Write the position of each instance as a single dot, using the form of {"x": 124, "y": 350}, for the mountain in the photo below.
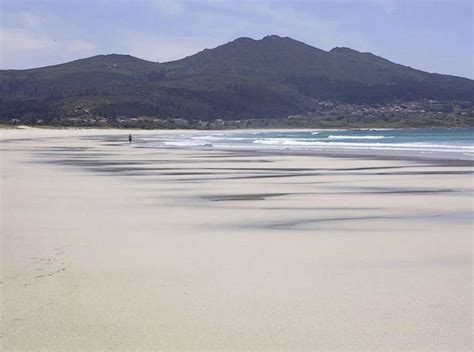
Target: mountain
{"x": 245, "y": 79}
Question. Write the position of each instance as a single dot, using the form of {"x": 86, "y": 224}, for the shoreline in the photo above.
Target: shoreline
{"x": 334, "y": 152}
{"x": 341, "y": 153}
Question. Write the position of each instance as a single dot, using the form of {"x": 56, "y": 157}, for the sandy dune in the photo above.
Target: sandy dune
{"x": 108, "y": 246}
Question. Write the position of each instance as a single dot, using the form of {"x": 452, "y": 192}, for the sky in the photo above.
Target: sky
{"x": 434, "y": 36}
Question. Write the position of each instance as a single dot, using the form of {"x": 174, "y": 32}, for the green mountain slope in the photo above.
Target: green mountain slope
{"x": 269, "y": 78}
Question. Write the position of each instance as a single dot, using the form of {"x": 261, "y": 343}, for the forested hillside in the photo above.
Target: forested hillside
{"x": 271, "y": 78}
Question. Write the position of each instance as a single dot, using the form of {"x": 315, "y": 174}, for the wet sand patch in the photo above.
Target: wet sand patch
{"x": 243, "y": 197}
{"x": 301, "y": 223}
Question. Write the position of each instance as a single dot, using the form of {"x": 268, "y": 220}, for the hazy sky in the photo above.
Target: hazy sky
{"x": 435, "y": 36}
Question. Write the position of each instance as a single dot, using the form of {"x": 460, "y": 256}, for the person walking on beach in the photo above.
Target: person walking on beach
{"x": 130, "y": 138}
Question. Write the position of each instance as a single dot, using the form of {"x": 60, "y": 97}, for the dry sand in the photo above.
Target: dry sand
{"x": 106, "y": 246}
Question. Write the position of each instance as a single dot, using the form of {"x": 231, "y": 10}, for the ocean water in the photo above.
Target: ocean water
{"x": 451, "y": 143}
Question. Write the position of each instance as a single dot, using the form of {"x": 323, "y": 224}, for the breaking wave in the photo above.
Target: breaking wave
{"x": 357, "y": 137}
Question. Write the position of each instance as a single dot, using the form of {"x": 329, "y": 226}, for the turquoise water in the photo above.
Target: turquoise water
{"x": 458, "y": 142}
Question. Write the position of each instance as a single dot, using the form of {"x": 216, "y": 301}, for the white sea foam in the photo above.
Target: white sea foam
{"x": 186, "y": 143}
{"x": 283, "y": 141}
{"x": 357, "y": 137}
{"x": 279, "y": 142}
{"x": 218, "y": 138}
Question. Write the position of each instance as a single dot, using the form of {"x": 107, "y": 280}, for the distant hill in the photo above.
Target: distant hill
{"x": 245, "y": 79}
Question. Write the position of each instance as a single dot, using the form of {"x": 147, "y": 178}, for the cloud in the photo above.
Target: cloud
{"x": 161, "y": 48}
{"x": 13, "y": 40}
{"x": 39, "y": 38}
{"x": 168, "y": 7}
{"x": 230, "y": 19}
{"x": 80, "y": 45}
{"x": 389, "y": 6}
{"x": 17, "y": 45}
{"x": 28, "y": 19}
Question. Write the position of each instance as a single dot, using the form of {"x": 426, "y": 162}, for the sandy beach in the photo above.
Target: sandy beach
{"x": 108, "y": 246}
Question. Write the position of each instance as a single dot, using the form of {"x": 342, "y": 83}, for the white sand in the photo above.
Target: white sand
{"x": 115, "y": 247}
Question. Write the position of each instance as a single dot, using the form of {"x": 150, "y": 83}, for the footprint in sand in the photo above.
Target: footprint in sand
{"x": 57, "y": 260}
